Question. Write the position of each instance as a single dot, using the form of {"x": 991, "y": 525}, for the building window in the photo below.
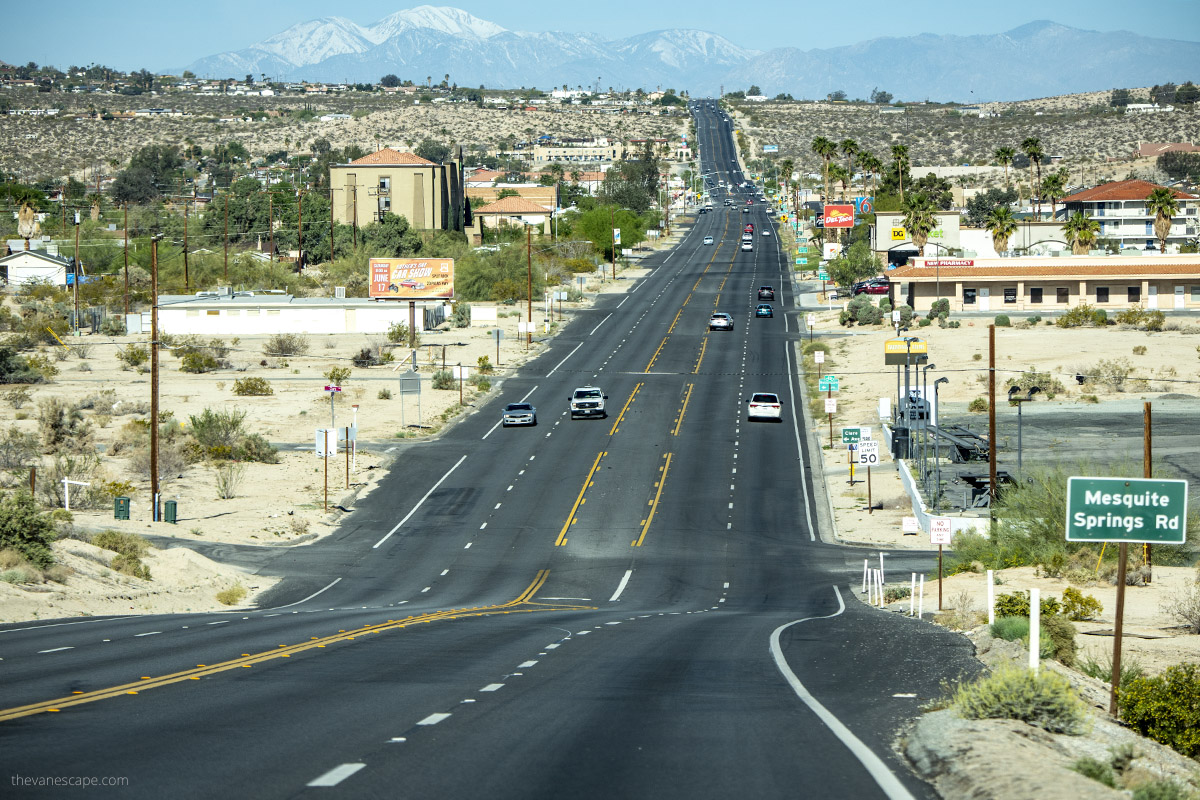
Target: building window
{"x": 968, "y": 297}
{"x": 1101, "y": 294}
{"x": 1035, "y": 295}
{"x": 385, "y": 185}
{"x": 193, "y": 312}
{"x": 1062, "y": 295}
{"x": 1010, "y": 295}
{"x": 1196, "y": 294}
{"x": 1134, "y": 294}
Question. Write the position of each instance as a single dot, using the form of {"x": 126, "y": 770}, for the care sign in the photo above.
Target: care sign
{"x": 1126, "y": 510}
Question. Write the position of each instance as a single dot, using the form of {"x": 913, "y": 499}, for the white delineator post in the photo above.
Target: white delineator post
{"x": 879, "y": 577}
{"x": 866, "y": 569}
{"x": 881, "y": 566}
{"x": 912, "y": 594}
{"x": 1035, "y": 625}
{"x": 921, "y": 600}
{"x": 991, "y": 597}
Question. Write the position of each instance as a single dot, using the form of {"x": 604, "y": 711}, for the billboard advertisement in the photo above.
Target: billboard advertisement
{"x": 412, "y": 278}
{"x": 838, "y": 216}
{"x": 770, "y": 148}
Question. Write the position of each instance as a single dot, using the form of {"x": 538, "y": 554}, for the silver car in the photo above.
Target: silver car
{"x": 708, "y": 240}
{"x": 518, "y": 414}
{"x": 720, "y": 322}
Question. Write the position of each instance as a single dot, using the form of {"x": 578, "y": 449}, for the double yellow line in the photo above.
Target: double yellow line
{"x": 248, "y": 660}
{"x": 562, "y": 535}
{"x": 662, "y": 481}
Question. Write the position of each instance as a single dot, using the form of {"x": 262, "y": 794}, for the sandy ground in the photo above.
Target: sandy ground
{"x": 275, "y": 504}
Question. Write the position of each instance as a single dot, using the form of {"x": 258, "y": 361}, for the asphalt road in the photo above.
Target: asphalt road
{"x": 629, "y": 607}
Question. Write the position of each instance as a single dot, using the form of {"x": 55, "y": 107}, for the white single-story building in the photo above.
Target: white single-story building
{"x": 34, "y": 266}
{"x": 251, "y": 313}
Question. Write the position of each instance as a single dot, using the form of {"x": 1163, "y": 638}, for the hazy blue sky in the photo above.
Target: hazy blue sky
{"x": 139, "y": 33}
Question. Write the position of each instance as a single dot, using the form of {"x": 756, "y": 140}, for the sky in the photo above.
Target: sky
{"x": 134, "y": 34}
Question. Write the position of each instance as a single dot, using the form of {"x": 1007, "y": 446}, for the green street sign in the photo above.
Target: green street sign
{"x": 823, "y": 275}
{"x": 801, "y": 260}
{"x": 1126, "y": 510}
{"x": 851, "y": 435}
{"x": 827, "y": 383}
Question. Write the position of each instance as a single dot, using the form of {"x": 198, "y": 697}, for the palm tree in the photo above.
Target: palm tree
{"x": 1081, "y": 232}
{"x": 1032, "y": 147}
{"x": 1162, "y": 204}
{"x": 862, "y": 161}
{"x": 1002, "y": 224}
{"x": 871, "y": 163}
{"x": 1004, "y": 157}
{"x": 826, "y": 149}
{"x": 785, "y": 167}
{"x": 839, "y": 174}
{"x": 900, "y": 156}
{"x": 1053, "y": 188}
{"x": 849, "y": 149}
{"x": 920, "y": 219}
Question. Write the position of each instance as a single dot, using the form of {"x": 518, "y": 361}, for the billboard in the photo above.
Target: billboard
{"x": 838, "y": 216}
{"x": 770, "y": 148}
{"x": 412, "y": 278}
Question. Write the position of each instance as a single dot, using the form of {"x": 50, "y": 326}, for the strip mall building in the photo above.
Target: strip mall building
{"x": 1051, "y": 283}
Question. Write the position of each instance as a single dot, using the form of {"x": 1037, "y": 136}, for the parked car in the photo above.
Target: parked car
{"x": 764, "y": 310}
{"x": 765, "y": 405}
{"x": 708, "y": 240}
{"x": 871, "y": 288}
{"x": 766, "y": 293}
{"x": 720, "y": 322}
{"x": 518, "y": 414}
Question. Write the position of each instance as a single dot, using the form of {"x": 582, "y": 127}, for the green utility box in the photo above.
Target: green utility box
{"x": 121, "y": 507}
{"x": 169, "y": 510}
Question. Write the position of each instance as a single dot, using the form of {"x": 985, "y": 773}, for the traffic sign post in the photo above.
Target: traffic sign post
{"x": 1126, "y": 510}
{"x": 868, "y": 453}
{"x": 939, "y": 534}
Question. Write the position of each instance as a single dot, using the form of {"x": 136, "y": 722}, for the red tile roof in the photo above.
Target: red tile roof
{"x": 512, "y": 205}
{"x": 389, "y": 157}
{"x": 1121, "y": 190}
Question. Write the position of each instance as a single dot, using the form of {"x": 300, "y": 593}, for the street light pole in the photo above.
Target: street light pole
{"x": 1021, "y": 401}
{"x": 937, "y": 461}
{"x": 75, "y": 279}
{"x": 927, "y": 408}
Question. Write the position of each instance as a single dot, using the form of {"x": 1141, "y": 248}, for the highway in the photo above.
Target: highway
{"x": 635, "y": 606}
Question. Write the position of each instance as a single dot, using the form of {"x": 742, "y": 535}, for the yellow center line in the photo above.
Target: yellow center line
{"x": 513, "y": 606}
{"x": 662, "y": 481}
{"x": 683, "y": 408}
{"x": 700, "y": 358}
{"x": 562, "y": 535}
{"x": 656, "y": 352}
{"x": 617, "y": 421}
{"x": 678, "y": 314}
{"x": 685, "y": 300}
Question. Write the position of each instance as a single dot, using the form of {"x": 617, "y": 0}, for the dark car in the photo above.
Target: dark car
{"x": 766, "y": 293}
{"x": 764, "y": 310}
{"x": 871, "y": 288}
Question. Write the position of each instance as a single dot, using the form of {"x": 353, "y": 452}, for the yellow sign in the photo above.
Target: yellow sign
{"x": 899, "y": 235}
{"x": 900, "y": 346}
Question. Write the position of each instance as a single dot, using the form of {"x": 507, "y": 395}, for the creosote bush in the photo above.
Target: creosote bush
{"x": 444, "y": 379}
{"x": 1079, "y": 606}
{"x": 286, "y": 344}
{"x": 231, "y": 596}
{"x": 1166, "y": 707}
{"x": 1044, "y": 699}
{"x": 252, "y": 387}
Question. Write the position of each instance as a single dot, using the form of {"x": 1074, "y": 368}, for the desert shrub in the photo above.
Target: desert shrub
{"x": 17, "y": 397}
{"x": 129, "y": 544}
{"x": 1100, "y": 317}
{"x": 893, "y": 593}
{"x": 978, "y": 406}
{"x": 1060, "y": 634}
{"x": 1016, "y": 604}
{"x": 1162, "y": 790}
{"x": 1079, "y": 606}
{"x": 1002, "y": 321}
{"x": 112, "y": 325}
{"x": 1102, "y": 670}
{"x": 1166, "y": 707}
{"x": 129, "y": 565}
{"x": 252, "y": 387}
{"x": 1140, "y": 350}
{"x": 1010, "y": 629}
{"x": 1096, "y": 770}
{"x": 229, "y": 475}
{"x": 231, "y": 596}
{"x": 337, "y": 375}
{"x": 384, "y": 394}
{"x": 813, "y": 347}
{"x": 16, "y": 368}
{"x": 198, "y": 362}
{"x": 484, "y": 366}
{"x": 480, "y": 382}
{"x": 939, "y": 309}
{"x": 61, "y": 426}
{"x": 218, "y": 429}
{"x": 1045, "y": 381}
{"x": 1112, "y": 373}
{"x": 462, "y": 315}
{"x": 1078, "y": 316}
{"x": 172, "y": 460}
{"x": 364, "y": 358}
{"x": 25, "y": 529}
{"x": 41, "y": 364}
{"x": 286, "y": 344}
{"x": 255, "y": 448}
{"x": 133, "y": 355}
{"x": 862, "y": 311}
{"x": 444, "y": 379}
{"x": 1184, "y": 607}
{"x": 924, "y": 322}
{"x": 17, "y": 449}
{"x": 906, "y": 313}
{"x": 1044, "y": 699}
{"x": 397, "y": 332}
{"x": 83, "y": 466}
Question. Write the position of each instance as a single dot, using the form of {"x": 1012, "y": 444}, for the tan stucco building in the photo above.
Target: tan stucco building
{"x": 430, "y": 196}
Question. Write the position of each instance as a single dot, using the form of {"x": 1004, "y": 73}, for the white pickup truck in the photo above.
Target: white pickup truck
{"x": 588, "y": 401}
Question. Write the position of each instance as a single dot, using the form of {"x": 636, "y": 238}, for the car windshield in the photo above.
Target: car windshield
{"x": 588, "y": 393}
{"x": 764, "y": 398}
{"x": 519, "y": 407}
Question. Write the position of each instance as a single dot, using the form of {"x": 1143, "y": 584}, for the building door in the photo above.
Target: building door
{"x": 985, "y": 299}
{"x": 1152, "y": 298}
{"x": 1179, "y": 298}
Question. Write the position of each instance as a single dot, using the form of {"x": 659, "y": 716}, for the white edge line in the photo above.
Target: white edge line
{"x": 62, "y": 624}
{"x": 874, "y": 765}
{"x": 812, "y": 533}
{"x": 298, "y": 602}
{"x": 621, "y": 586}
{"x": 419, "y": 503}
{"x": 559, "y": 364}
{"x": 600, "y": 323}
{"x": 336, "y": 775}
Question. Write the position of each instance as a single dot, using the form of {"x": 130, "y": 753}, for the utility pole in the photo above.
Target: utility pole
{"x": 75, "y": 281}
{"x": 354, "y": 215}
{"x": 127, "y": 259}
{"x": 300, "y": 232}
{"x": 271, "y": 221}
{"x": 154, "y": 375}
{"x": 227, "y": 237}
{"x": 529, "y": 264}
{"x": 992, "y": 488}
{"x": 612, "y": 226}
{"x": 186, "y": 281}
{"x": 331, "y": 223}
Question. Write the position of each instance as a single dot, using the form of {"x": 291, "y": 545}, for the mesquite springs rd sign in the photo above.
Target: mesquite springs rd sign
{"x": 1126, "y": 510}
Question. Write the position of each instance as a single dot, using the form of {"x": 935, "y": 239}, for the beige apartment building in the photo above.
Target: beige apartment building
{"x": 600, "y": 150}
{"x": 430, "y": 196}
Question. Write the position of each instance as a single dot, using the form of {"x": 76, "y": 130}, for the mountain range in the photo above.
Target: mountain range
{"x": 1037, "y": 59}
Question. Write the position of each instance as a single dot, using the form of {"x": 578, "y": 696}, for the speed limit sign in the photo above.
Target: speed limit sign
{"x": 868, "y": 452}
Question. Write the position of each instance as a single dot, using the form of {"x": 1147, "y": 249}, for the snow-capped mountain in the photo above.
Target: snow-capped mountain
{"x": 1034, "y": 60}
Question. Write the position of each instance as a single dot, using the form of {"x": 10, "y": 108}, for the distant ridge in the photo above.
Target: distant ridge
{"x": 1037, "y": 59}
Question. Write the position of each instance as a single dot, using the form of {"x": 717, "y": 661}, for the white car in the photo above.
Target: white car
{"x": 764, "y": 405}
{"x": 766, "y": 231}
{"x": 708, "y": 240}
{"x": 747, "y": 246}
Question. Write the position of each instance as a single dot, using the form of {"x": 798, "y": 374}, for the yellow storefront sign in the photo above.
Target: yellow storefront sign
{"x": 899, "y": 235}
{"x": 897, "y": 351}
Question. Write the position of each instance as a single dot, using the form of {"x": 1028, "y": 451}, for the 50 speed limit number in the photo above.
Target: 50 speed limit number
{"x": 868, "y": 452}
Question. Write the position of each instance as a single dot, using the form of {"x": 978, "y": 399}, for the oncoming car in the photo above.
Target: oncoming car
{"x": 518, "y": 414}
{"x": 720, "y": 322}
{"x": 764, "y": 405}
{"x": 708, "y": 240}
